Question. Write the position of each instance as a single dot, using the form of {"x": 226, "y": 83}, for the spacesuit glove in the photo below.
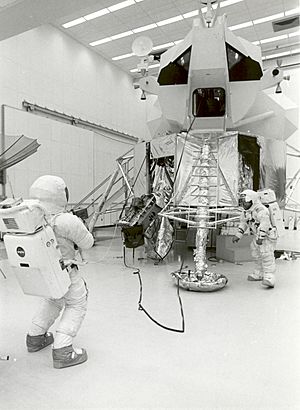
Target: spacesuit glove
{"x": 259, "y": 241}
{"x": 235, "y": 239}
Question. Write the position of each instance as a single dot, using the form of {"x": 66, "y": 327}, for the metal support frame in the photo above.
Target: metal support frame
{"x": 200, "y": 279}
{"x": 104, "y": 196}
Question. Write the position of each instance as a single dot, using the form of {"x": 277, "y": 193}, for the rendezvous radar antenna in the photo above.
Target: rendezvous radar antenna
{"x": 208, "y": 11}
{"x": 141, "y": 47}
{"x": 202, "y": 180}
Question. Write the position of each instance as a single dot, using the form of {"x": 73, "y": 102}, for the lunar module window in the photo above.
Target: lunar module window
{"x": 240, "y": 67}
{"x": 209, "y": 102}
{"x": 176, "y": 72}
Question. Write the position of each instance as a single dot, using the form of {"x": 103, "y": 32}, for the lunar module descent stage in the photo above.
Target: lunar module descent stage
{"x": 208, "y": 85}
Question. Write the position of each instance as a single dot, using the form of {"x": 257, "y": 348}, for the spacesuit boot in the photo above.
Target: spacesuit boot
{"x": 256, "y": 275}
{"x": 68, "y": 356}
{"x": 36, "y": 343}
{"x": 268, "y": 280}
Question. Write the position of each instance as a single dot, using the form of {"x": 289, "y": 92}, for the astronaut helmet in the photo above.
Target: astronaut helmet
{"x": 247, "y": 198}
{"x": 51, "y": 191}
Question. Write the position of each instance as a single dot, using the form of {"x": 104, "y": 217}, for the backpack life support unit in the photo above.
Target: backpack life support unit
{"x": 268, "y": 199}
{"x": 32, "y": 249}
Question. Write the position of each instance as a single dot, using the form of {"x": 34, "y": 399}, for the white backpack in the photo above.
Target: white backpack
{"x": 32, "y": 249}
{"x": 268, "y": 199}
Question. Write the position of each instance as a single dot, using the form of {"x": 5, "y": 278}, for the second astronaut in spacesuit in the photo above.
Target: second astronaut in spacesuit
{"x": 256, "y": 217}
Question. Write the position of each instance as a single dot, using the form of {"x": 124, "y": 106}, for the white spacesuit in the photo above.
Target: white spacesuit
{"x": 69, "y": 230}
{"x": 256, "y": 217}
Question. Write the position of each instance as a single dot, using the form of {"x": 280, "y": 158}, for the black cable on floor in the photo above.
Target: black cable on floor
{"x": 141, "y": 307}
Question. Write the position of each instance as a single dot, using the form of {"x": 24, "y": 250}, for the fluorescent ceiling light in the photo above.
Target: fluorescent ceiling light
{"x": 74, "y": 22}
{"x": 268, "y": 18}
{"x": 123, "y": 56}
{"x": 96, "y": 14}
{"x": 121, "y": 5}
{"x": 121, "y": 35}
{"x": 190, "y": 14}
{"x": 144, "y": 28}
{"x": 256, "y": 43}
{"x": 166, "y": 45}
{"x": 269, "y": 40}
{"x": 134, "y": 70}
{"x": 170, "y": 20}
{"x": 154, "y": 48}
{"x": 242, "y": 25}
{"x": 296, "y": 33}
{"x": 179, "y": 18}
{"x": 284, "y": 53}
{"x": 293, "y": 11}
{"x": 138, "y": 1}
{"x": 229, "y": 2}
{"x": 102, "y": 41}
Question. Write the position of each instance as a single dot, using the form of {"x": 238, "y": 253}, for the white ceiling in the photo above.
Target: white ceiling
{"x": 21, "y": 15}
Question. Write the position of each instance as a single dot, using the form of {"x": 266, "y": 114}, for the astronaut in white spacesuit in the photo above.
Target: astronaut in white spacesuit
{"x": 256, "y": 217}
{"x": 69, "y": 230}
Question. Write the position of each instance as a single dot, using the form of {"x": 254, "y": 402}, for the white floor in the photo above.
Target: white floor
{"x": 240, "y": 349}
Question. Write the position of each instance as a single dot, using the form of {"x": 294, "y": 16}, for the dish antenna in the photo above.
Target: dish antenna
{"x": 142, "y": 46}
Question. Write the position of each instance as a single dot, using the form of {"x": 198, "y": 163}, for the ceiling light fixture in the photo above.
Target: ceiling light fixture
{"x": 284, "y": 53}
{"x": 296, "y": 33}
{"x": 242, "y": 25}
{"x": 269, "y": 40}
{"x": 190, "y": 14}
{"x": 181, "y": 17}
{"x": 145, "y": 28}
{"x": 292, "y": 11}
{"x": 123, "y": 56}
{"x": 121, "y": 35}
{"x": 102, "y": 41}
{"x": 282, "y": 37}
{"x": 121, "y": 5}
{"x": 166, "y": 45}
{"x": 74, "y": 22}
{"x": 96, "y": 14}
{"x": 100, "y": 13}
{"x": 268, "y": 18}
{"x": 226, "y": 3}
{"x": 161, "y": 46}
{"x": 169, "y": 21}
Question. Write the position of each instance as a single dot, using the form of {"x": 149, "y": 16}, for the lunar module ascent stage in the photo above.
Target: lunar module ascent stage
{"x": 208, "y": 95}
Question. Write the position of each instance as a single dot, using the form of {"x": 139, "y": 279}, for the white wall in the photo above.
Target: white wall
{"x": 46, "y": 67}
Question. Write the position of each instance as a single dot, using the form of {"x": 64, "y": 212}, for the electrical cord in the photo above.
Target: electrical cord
{"x": 141, "y": 307}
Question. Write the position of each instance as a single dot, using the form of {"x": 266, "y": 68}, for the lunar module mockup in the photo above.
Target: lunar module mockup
{"x": 209, "y": 99}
